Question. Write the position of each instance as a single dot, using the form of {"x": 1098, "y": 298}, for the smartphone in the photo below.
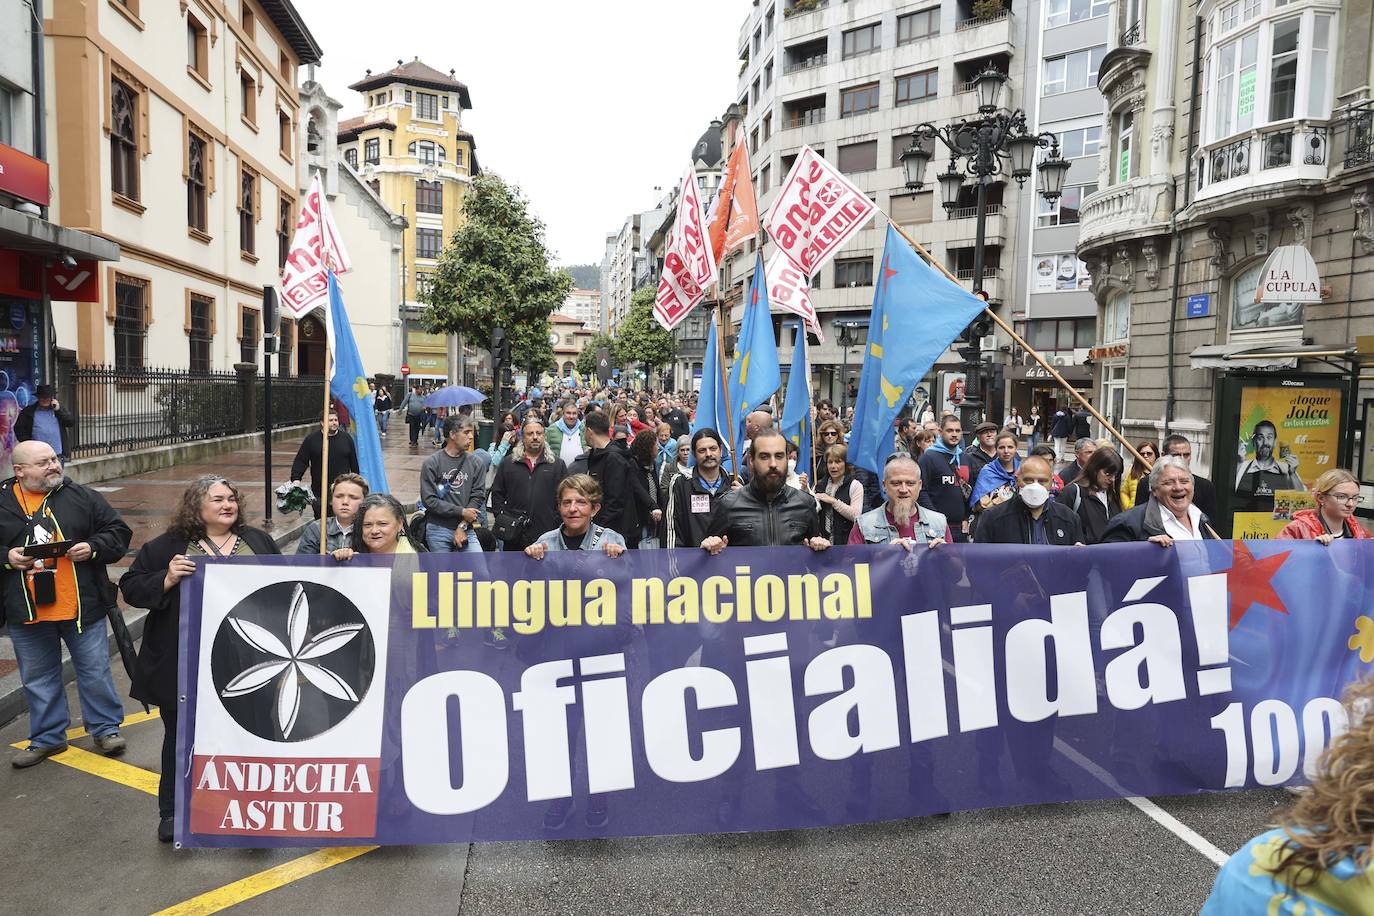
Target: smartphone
{"x": 44, "y": 586}
{"x": 49, "y": 551}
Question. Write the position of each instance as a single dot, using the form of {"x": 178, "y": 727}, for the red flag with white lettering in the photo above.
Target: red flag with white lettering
{"x": 734, "y": 215}
{"x": 816, "y": 212}
{"x": 316, "y": 248}
{"x": 689, "y": 265}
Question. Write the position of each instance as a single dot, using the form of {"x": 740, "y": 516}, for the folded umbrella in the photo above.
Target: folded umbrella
{"x": 125, "y": 641}
{"x": 455, "y": 396}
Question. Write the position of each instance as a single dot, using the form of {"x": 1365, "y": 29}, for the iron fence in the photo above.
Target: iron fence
{"x": 124, "y": 409}
{"x": 1359, "y": 135}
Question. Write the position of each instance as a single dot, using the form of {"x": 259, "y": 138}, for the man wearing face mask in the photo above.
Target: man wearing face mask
{"x": 1031, "y": 517}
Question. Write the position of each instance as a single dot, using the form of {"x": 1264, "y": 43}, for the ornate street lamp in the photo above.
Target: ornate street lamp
{"x": 996, "y": 142}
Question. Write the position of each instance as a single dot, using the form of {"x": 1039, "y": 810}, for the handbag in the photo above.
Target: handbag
{"x": 509, "y": 527}
{"x": 1028, "y": 429}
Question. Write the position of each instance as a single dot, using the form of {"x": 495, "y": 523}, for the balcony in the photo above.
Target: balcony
{"x": 974, "y": 22}
{"x": 1140, "y": 207}
{"x": 1295, "y": 151}
{"x": 1133, "y": 36}
{"x": 801, "y": 7}
{"x": 1359, "y": 135}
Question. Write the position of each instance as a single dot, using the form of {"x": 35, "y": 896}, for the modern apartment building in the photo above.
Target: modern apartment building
{"x": 1056, "y": 313}
{"x": 585, "y": 306}
{"x": 1232, "y": 128}
{"x": 175, "y": 134}
{"x": 410, "y": 147}
{"x": 852, "y": 80}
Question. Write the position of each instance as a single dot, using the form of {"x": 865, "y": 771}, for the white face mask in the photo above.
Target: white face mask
{"x": 791, "y": 465}
{"x": 1034, "y": 495}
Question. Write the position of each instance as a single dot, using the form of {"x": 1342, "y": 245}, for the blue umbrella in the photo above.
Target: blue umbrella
{"x": 455, "y": 396}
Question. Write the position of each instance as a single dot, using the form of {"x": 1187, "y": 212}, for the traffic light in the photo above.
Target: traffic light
{"x": 500, "y": 346}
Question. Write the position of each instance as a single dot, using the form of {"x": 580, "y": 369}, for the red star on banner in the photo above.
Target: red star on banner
{"x": 887, "y": 273}
{"x": 1251, "y": 582}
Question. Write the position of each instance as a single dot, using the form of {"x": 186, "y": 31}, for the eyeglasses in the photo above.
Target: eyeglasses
{"x": 1349, "y": 499}
{"x": 53, "y": 462}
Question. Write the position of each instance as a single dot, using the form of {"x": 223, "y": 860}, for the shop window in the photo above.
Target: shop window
{"x": 1116, "y": 325}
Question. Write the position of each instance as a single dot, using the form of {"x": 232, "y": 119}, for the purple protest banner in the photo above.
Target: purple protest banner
{"x": 668, "y": 692}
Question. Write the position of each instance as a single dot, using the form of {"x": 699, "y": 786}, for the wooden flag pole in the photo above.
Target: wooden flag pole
{"x": 725, "y": 383}
{"x": 1029, "y": 349}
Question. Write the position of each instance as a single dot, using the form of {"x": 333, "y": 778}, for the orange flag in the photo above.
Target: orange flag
{"x": 734, "y": 216}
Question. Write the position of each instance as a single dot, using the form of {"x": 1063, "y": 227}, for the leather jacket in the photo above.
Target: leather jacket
{"x": 748, "y": 518}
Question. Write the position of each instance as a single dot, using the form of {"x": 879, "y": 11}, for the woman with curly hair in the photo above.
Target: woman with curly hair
{"x": 1321, "y": 857}
{"x": 380, "y": 527}
{"x": 208, "y": 523}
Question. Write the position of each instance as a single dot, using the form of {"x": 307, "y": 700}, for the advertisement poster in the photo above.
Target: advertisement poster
{"x": 952, "y": 385}
{"x": 1289, "y": 434}
{"x": 20, "y": 350}
{"x": 1059, "y": 273}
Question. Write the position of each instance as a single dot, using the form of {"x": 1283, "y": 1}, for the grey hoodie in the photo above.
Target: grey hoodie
{"x": 449, "y": 485}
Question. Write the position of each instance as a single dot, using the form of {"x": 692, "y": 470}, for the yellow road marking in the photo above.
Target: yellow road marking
{"x": 279, "y": 876}
{"x": 134, "y": 719}
{"x": 126, "y": 774}
{"x": 230, "y": 894}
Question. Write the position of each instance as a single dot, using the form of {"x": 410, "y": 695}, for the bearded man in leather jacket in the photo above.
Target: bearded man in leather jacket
{"x": 766, "y": 512}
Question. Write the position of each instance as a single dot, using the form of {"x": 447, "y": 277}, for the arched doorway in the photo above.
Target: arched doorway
{"x": 310, "y": 353}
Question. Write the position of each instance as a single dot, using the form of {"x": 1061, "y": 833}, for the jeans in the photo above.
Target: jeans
{"x": 415, "y": 423}
{"x": 440, "y": 540}
{"x": 383, "y": 416}
{"x": 38, "y": 649}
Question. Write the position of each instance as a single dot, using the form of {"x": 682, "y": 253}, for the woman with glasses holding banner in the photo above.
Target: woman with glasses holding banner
{"x": 1337, "y": 494}
{"x": 208, "y": 523}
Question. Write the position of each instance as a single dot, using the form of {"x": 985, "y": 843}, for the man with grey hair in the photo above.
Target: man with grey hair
{"x": 1168, "y": 515}
{"x": 453, "y": 490}
{"x": 1082, "y": 450}
{"x": 59, "y": 596}
{"x": 901, "y": 520}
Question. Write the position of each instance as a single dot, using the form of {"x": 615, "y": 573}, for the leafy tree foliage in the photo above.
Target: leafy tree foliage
{"x": 640, "y": 338}
{"x": 496, "y": 270}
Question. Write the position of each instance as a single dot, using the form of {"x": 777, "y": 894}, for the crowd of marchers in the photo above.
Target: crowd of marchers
{"x": 604, "y": 471}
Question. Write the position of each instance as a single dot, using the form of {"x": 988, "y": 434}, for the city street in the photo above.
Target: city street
{"x": 1099, "y": 857}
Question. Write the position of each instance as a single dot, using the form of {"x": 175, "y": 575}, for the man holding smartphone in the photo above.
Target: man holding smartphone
{"x": 58, "y": 537}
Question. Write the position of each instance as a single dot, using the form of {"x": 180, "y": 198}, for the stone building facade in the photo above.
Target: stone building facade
{"x": 1232, "y": 128}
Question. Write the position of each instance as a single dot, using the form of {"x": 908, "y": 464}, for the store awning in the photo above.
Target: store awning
{"x": 1249, "y": 356}
{"x": 25, "y": 232}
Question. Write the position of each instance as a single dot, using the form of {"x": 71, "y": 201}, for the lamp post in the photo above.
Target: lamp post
{"x": 845, "y": 340}
{"x": 996, "y": 142}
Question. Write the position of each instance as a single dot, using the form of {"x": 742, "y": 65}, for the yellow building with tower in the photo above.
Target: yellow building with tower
{"x": 410, "y": 147}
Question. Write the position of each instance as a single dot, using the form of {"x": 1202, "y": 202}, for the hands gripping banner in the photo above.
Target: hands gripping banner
{"x": 669, "y": 692}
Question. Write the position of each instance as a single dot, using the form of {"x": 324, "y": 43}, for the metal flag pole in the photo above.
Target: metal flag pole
{"x": 1035, "y": 354}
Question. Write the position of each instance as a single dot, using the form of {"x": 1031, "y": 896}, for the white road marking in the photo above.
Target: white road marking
{"x": 1147, "y": 807}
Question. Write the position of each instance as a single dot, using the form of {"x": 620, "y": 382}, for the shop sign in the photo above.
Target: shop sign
{"x": 1289, "y": 276}
{"x": 23, "y": 176}
{"x": 1110, "y": 352}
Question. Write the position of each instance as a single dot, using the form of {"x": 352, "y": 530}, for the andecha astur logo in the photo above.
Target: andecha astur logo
{"x": 292, "y": 660}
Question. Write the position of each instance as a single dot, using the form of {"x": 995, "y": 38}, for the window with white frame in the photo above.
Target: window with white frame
{"x": 1116, "y": 324}
{"x": 1125, "y": 131}
{"x": 1266, "y": 71}
{"x": 1079, "y": 142}
{"x": 1066, "y": 210}
{"x": 1062, "y": 12}
{"x": 1114, "y": 391}
{"x": 1071, "y": 72}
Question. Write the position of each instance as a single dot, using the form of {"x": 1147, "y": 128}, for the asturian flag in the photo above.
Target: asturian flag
{"x": 917, "y": 313}
{"x": 349, "y": 385}
{"x": 316, "y": 249}
{"x": 796, "y": 410}
{"x": 755, "y": 376}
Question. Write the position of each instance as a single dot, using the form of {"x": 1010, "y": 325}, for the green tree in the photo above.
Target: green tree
{"x": 496, "y": 270}
{"x": 586, "y": 360}
{"x": 640, "y": 338}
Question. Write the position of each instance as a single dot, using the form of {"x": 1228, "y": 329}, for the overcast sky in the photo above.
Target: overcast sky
{"x": 587, "y": 106}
